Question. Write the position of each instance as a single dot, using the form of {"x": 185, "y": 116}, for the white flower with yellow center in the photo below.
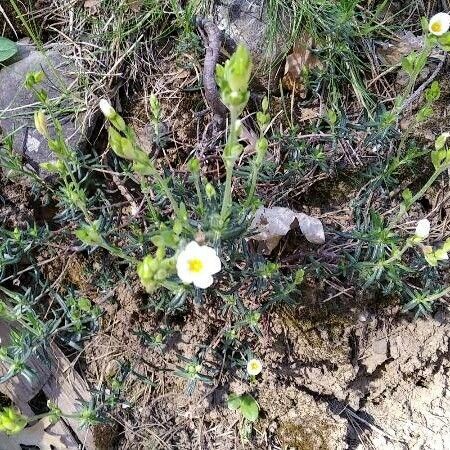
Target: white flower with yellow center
{"x": 254, "y": 367}
{"x": 439, "y": 24}
{"x": 197, "y": 264}
{"x": 423, "y": 228}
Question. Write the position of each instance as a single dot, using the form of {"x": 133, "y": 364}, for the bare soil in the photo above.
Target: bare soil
{"x": 346, "y": 372}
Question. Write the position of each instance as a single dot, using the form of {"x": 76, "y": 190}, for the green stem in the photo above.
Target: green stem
{"x": 229, "y": 165}
{"x": 398, "y": 256}
{"x": 254, "y": 177}
{"x": 421, "y": 193}
{"x": 167, "y": 191}
{"x": 227, "y": 201}
{"x": 199, "y": 191}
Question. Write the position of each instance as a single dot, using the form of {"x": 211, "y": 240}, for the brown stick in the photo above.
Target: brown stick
{"x": 212, "y": 38}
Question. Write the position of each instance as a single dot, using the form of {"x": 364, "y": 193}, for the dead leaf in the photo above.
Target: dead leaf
{"x": 393, "y": 53}
{"x": 33, "y": 436}
{"x": 271, "y": 224}
{"x": 301, "y": 60}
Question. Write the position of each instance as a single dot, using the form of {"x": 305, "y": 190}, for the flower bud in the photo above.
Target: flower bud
{"x": 238, "y": 127}
{"x": 108, "y": 111}
{"x": 89, "y": 234}
{"x": 59, "y": 148}
{"x": 422, "y": 229}
{"x": 194, "y": 165}
{"x": 238, "y": 69}
{"x": 40, "y": 123}
{"x": 262, "y": 145}
{"x": 54, "y": 166}
{"x": 210, "y": 191}
{"x": 33, "y": 78}
{"x": 155, "y": 106}
{"x": 232, "y": 152}
{"x": 11, "y": 421}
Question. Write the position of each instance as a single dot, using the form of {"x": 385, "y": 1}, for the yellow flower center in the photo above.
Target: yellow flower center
{"x": 195, "y": 265}
{"x": 254, "y": 366}
{"x": 436, "y": 27}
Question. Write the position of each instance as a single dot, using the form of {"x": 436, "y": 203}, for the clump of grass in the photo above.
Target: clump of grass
{"x": 338, "y": 30}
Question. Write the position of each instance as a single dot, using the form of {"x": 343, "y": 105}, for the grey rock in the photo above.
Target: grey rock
{"x": 17, "y": 104}
{"x": 247, "y": 22}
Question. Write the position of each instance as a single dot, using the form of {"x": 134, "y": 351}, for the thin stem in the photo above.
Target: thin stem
{"x": 398, "y": 256}
{"x": 226, "y": 202}
{"x": 160, "y": 180}
{"x": 229, "y": 165}
{"x": 421, "y": 193}
{"x": 199, "y": 191}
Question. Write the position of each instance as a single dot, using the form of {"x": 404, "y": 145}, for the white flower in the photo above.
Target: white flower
{"x": 423, "y": 228}
{"x": 254, "y": 367}
{"x": 107, "y": 109}
{"x": 439, "y": 24}
{"x": 197, "y": 264}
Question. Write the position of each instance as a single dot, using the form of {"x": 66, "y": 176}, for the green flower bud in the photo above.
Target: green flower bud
{"x": 89, "y": 234}
{"x": 161, "y": 275}
{"x": 194, "y": 165}
{"x": 265, "y": 104}
{"x": 178, "y": 227}
{"x": 210, "y": 191}
{"x": 11, "y": 421}
{"x": 160, "y": 253}
{"x": 263, "y": 120}
{"x": 232, "y": 152}
{"x": 33, "y": 78}
{"x": 144, "y": 168}
{"x": 146, "y": 268}
{"x": 155, "y": 106}
{"x": 59, "y": 148}
{"x": 261, "y": 147}
{"x": 238, "y": 69}
{"x": 40, "y": 123}
{"x": 54, "y": 166}
{"x": 111, "y": 114}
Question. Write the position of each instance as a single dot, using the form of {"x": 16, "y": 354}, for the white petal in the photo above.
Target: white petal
{"x": 184, "y": 274}
{"x": 211, "y": 260}
{"x": 192, "y": 248}
{"x": 204, "y": 281}
{"x": 106, "y": 108}
{"x": 423, "y": 228}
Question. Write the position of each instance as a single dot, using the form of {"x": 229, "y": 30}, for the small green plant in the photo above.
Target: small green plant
{"x": 244, "y": 404}
{"x": 13, "y": 422}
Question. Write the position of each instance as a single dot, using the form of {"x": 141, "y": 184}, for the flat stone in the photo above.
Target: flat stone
{"x": 247, "y": 22}
{"x": 18, "y": 104}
